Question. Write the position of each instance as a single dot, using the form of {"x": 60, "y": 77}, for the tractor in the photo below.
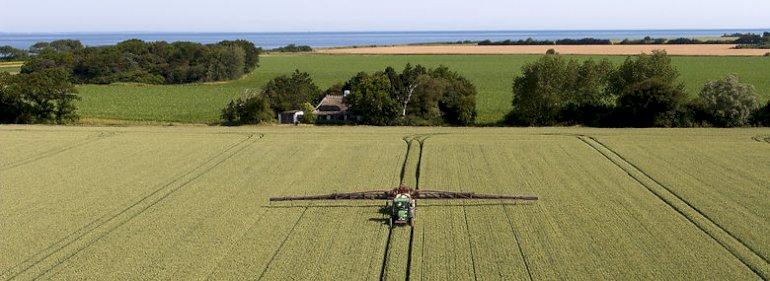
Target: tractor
{"x": 402, "y": 201}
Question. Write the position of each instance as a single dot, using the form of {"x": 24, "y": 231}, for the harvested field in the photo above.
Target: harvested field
{"x": 191, "y": 203}
{"x": 677, "y": 50}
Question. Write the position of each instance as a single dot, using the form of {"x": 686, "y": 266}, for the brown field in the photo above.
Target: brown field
{"x": 681, "y": 50}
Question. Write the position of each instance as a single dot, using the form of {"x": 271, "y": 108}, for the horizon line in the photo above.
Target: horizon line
{"x": 376, "y": 31}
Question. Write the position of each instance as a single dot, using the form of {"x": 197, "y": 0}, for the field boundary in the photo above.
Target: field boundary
{"x": 61, "y": 149}
{"x": 45, "y": 261}
{"x": 745, "y": 254}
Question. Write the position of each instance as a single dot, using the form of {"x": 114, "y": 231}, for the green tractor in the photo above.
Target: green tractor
{"x": 402, "y": 201}
{"x": 402, "y": 210}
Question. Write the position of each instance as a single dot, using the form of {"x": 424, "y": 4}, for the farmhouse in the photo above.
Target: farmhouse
{"x": 333, "y": 108}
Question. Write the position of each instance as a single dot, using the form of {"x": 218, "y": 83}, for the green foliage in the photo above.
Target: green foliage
{"x": 420, "y": 95}
{"x": 553, "y": 90}
{"x": 308, "y": 111}
{"x": 727, "y": 102}
{"x": 761, "y": 116}
{"x": 370, "y": 99}
{"x": 44, "y": 96}
{"x": 641, "y": 68}
{"x": 227, "y": 63}
{"x": 290, "y": 92}
{"x": 249, "y": 109}
{"x": 9, "y": 53}
{"x": 147, "y": 62}
{"x": 293, "y": 48}
{"x": 491, "y": 74}
{"x": 650, "y": 103}
{"x": 49, "y": 59}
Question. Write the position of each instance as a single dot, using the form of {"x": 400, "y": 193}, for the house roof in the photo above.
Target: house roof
{"x": 331, "y": 104}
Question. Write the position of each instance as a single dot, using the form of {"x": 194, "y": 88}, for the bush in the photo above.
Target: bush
{"x": 250, "y": 109}
{"x": 45, "y": 96}
{"x": 727, "y": 102}
{"x": 551, "y": 52}
{"x": 9, "y": 53}
{"x": 635, "y": 70}
{"x": 308, "y": 111}
{"x": 761, "y": 117}
{"x": 292, "y": 48}
{"x": 290, "y": 92}
{"x": 650, "y": 103}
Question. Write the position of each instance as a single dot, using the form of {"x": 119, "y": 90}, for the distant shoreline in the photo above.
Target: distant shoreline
{"x": 469, "y": 49}
{"x": 270, "y": 40}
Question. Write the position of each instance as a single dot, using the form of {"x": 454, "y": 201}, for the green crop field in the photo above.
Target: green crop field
{"x": 10, "y": 66}
{"x": 492, "y": 75}
{"x": 192, "y": 203}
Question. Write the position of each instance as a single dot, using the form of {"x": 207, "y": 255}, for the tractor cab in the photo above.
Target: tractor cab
{"x": 402, "y": 209}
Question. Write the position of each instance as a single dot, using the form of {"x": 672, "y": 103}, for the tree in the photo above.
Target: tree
{"x": 538, "y": 94}
{"x": 308, "y": 111}
{"x": 290, "y": 92}
{"x": 42, "y": 97}
{"x": 642, "y": 68}
{"x": 370, "y": 98}
{"x": 404, "y": 84}
{"x": 47, "y": 60}
{"x": 250, "y": 53}
{"x": 457, "y": 102}
{"x": 9, "y": 53}
{"x": 650, "y": 103}
{"x": 226, "y": 63}
{"x": 250, "y": 109}
{"x": 728, "y": 102}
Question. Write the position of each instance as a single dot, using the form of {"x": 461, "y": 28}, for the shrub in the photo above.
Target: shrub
{"x": 250, "y": 109}
{"x": 290, "y": 92}
{"x": 767, "y": 54}
{"x": 45, "y": 96}
{"x": 551, "y": 52}
{"x": 650, "y": 103}
{"x": 727, "y": 102}
{"x": 308, "y": 111}
{"x": 761, "y": 117}
{"x": 292, "y": 48}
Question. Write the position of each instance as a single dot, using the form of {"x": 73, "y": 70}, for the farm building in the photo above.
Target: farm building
{"x": 290, "y": 117}
{"x": 332, "y": 108}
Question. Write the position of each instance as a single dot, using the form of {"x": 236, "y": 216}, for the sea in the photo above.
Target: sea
{"x": 269, "y": 40}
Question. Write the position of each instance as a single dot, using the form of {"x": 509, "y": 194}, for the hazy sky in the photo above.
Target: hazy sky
{"x": 363, "y": 15}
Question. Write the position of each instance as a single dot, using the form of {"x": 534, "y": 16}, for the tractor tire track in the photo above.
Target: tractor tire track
{"x": 278, "y": 250}
{"x": 518, "y": 242}
{"x": 470, "y": 243}
{"x": 740, "y": 250}
{"x": 54, "y": 151}
{"x": 127, "y": 214}
{"x": 761, "y": 138}
{"x": 408, "y": 140}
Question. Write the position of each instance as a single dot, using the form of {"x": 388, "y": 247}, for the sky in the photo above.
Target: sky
{"x": 363, "y": 15}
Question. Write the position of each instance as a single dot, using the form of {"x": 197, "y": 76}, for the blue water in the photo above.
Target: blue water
{"x": 339, "y": 39}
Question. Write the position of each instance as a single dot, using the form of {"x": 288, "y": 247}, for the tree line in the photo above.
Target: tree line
{"x": 143, "y": 62}
{"x": 414, "y": 96}
{"x": 643, "y": 91}
{"x": 744, "y": 40}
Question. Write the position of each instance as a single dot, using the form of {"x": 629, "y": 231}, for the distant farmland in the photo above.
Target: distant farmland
{"x": 12, "y": 67}
{"x": 492, "y": 75}
{"x": 191, "y": 203}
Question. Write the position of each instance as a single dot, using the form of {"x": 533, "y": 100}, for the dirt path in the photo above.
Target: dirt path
{"x": 681, "y": 50}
